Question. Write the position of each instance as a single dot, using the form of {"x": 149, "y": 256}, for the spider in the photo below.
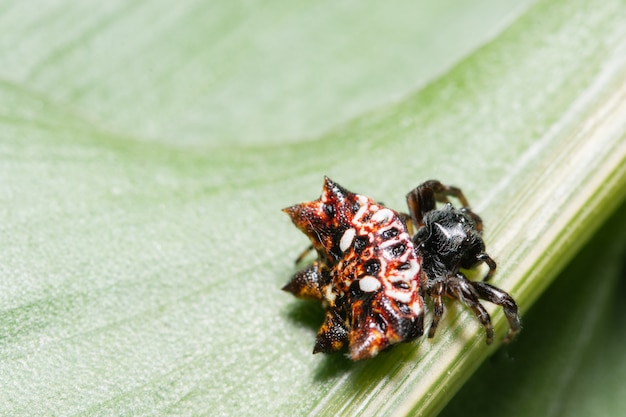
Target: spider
{"x": 372, "y": 273}
{"x": 448, "y": 240}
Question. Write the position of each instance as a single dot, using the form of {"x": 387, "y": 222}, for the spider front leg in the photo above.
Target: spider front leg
{"x": 424, "y": 198}
{"x": 483, "y": 257}
{"x": 458, "y": 287}
{"x": 436, "y": 294}
{"x": 496, "y": 296}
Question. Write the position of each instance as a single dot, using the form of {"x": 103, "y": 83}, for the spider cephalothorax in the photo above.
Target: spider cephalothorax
{"x": 371, "y": 274}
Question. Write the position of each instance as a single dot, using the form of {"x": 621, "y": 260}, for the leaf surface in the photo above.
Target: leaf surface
{"x": 146, "y": 151}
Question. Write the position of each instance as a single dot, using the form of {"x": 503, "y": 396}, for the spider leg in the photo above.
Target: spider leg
{"x": 421, "y": 200}
{"x": 304, "y": 254}
{"x": 496, "y": 296}
{"x": 424, "y": 198}
{"x": 475, "y": 217}
{"x": 436, "y": 294}
{"x": 409, "y": 222}
{"x": 483, "y": 257}
{"x": 462, "y": 289}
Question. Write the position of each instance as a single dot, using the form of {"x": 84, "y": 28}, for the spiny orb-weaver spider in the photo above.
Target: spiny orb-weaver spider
{"x": 371, "y": 274}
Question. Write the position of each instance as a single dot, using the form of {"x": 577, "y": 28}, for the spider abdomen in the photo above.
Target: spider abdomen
{"x": 371, "y": 268}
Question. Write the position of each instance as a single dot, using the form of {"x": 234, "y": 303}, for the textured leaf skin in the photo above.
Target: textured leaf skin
{"x": 146, "y": 151}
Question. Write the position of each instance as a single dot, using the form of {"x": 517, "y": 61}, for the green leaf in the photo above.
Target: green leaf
{"x": 146, "y": 150}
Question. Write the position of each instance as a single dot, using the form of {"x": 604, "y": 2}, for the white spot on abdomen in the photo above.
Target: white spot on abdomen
{"x": 369, "y": 283}
{"x": 382, "y": 216}
{"x": 346, "y": 239}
